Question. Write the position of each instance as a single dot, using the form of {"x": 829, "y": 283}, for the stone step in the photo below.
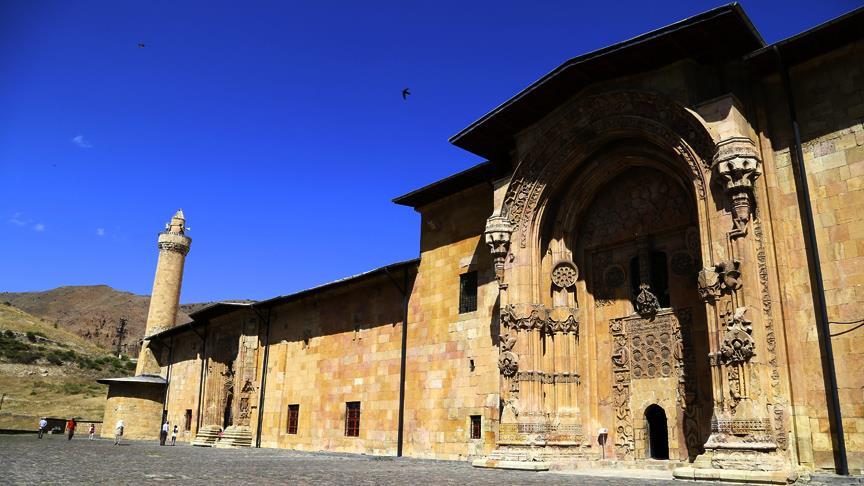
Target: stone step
{"x": 235, "y": 436}
{"x": 207, "y": 436}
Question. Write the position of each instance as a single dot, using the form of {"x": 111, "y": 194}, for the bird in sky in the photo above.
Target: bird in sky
{"x": 405, "y": 93}
{"x": 141, "y": 45}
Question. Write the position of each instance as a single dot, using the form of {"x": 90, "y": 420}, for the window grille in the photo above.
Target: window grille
{"x": 352, "y": 419}
{"x": 293, "y": 418}
{"x": 467, "y": 292}
{"x": 476, "y": 429}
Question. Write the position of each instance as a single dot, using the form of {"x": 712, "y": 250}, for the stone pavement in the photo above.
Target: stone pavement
{"x": 24, "y": 459}
{"x": 27, "y": 460}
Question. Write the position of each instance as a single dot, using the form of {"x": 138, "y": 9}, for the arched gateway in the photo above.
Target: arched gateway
{"x": 598, "y": 245}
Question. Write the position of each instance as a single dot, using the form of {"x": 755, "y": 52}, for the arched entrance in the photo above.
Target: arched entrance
{"x": 600, "y": 230}
{"x": 657, "y": 436}
{"x": 630, "y": 221}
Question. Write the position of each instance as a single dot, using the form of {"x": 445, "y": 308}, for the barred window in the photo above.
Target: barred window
{"x": 352, "y": 419}
{"x": 467, "y": 292}
{"x": 293, "y": 418}
{"x": 476, "y": 429}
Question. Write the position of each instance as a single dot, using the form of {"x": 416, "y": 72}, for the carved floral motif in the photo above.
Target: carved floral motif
{"x": 724, "y": 277}
{"x": 646, "y": 302}
{"x": 564, "y": 274}
{"x": 738, "y": 345}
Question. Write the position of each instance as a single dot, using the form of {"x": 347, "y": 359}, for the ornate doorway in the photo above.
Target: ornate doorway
{"x": 639, "y": 241}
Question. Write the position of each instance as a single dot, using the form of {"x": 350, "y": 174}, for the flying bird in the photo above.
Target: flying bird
{"x": 141, "y": 45}
{"x": 405, "y": 93}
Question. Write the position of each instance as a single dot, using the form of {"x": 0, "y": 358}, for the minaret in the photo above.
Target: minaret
{"x": 165, "y": 298}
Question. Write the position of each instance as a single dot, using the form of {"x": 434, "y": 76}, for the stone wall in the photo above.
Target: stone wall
{"x": 183, "y": 383}
{"x": 442, "y": 390}
{"x": 336, "y": 346}
{"x": 830, "y": 107}
{"x": 140, "y": 407}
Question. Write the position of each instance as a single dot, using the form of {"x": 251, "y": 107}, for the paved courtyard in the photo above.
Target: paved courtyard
{"x": 24, "y": 459}
{"x": 54, "y": 460}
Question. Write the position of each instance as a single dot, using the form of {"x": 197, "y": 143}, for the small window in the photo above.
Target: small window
{"x": 659, "y": 277}
{"x": 467, "y": 292}
{"x": 187, "y": 421}
{"x": 475, "y": 427}
{"x": 352, "y": 419}
{"x": 293, "y": 418}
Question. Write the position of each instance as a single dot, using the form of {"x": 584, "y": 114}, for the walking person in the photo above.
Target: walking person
{"x": 92, "y": 431}
{"x": 70, "y": 428}
{"x": 163, "y": 436}
{"x": 43, "y": 424}
{"x": 118, "y": 431}
{"x": 174, "y": 435}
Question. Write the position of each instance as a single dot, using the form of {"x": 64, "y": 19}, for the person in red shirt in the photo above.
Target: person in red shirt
{"x": 70, "y": 428}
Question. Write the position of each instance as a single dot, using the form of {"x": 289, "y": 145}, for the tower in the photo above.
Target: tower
{"x": 165, "y": 298}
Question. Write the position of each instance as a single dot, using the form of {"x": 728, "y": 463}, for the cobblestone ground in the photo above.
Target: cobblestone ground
{"x": 24, "y": 459}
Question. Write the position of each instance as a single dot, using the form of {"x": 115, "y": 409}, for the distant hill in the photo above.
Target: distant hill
{"x": 93, "y": 312}
{"x": 48, "y": 371}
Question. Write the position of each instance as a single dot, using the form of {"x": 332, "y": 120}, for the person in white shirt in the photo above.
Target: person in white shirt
{"x": 118, "y": 431}
{"x": 164, "y": 435}
{"x": 43, "y": 424}
{"x": 174, "y": 435}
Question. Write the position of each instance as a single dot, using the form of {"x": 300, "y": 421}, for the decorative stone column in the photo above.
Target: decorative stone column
{"x": 744, "y": 444}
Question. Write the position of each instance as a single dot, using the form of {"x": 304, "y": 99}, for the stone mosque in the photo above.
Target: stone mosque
{"x": 660, "y": 261}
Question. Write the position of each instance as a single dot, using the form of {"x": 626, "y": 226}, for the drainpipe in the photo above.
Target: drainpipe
{"x": 817, "y": 289}
{"x": 403, "y": 289}
{"x": 263, "y": 388}
{"x": 202, "y": 378}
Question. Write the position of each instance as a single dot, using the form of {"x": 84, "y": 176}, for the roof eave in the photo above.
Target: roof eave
{"x": 490, "y": 119}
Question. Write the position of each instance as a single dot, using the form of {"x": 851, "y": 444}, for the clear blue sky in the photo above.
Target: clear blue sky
{"x": 278, "y": 127}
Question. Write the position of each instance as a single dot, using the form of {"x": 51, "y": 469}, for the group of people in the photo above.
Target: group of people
{"x": 163, "y": 435}
{"x": 71, "y": 425}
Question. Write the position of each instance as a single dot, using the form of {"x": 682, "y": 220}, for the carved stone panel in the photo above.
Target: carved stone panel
{"x": 649, "y": 349}
{"x": 652, "y": 347}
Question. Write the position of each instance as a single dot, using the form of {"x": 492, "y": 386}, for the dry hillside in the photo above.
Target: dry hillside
{"x": 93, "y": 312}
{"x": 47, "y": 371}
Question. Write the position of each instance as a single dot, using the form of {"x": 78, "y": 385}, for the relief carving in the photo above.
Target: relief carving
{"x": 624, "y": 439}
{"x": 590, "y": 118}
{"x": 527, "y": 317}
{"x": 737, "y": 165}
{"x": 508, "y": 362}
{"x": 564, "y": 274}
{"x": 497, "y": 235}
{"x": 646, "y": 302}
{"x": 724, "y": 277}
{"x": 738, "y": 345}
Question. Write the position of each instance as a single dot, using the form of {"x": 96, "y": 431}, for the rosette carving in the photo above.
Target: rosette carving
{"x": 564, "y": 274}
